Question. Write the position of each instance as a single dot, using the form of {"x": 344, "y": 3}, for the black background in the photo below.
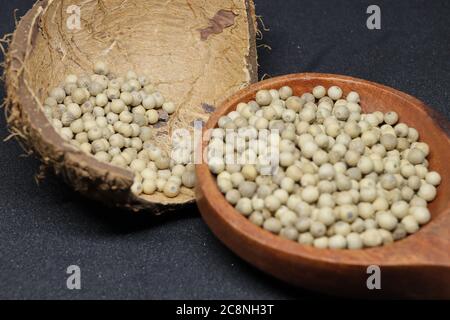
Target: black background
{"x": 45, "y": 228}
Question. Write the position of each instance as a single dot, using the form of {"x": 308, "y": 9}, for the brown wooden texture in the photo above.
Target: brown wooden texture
{"x": 417, "y": 266}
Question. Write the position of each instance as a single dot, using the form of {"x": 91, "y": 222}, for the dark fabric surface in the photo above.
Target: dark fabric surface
{"x": 46, "y": 228}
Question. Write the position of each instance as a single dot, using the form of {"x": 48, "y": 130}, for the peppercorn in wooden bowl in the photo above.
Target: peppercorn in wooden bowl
{"x": 416, "y": 266}
{"x": 195, "y": 53}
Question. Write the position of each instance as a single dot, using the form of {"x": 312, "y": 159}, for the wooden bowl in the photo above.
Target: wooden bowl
{"x": 417, "y": 266}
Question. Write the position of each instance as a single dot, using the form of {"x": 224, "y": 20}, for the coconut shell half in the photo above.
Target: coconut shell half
{"x": 195, "y": 52}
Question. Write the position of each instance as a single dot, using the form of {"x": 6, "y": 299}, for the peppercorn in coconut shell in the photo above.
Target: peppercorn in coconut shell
{"x": 196, "y": 53}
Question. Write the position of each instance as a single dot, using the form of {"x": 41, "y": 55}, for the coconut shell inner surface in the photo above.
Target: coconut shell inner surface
{"x": 195, "y": 52}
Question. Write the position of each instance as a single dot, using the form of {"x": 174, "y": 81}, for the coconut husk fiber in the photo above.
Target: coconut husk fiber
{"x": 195, "y": 52}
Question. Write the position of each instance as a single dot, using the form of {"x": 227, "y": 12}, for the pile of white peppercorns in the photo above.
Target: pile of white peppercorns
{"x": 111, "y": 118}
{"x": 344, "y": 179}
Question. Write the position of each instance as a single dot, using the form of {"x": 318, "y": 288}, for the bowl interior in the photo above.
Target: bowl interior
{"x": 373, "y": 97}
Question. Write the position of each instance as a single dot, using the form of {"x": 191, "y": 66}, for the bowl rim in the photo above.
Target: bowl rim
{"x": 388, "y": 255}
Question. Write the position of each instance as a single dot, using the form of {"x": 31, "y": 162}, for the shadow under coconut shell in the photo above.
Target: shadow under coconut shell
{"x": 120, "y": 221}
{"x": 112, "y": 220}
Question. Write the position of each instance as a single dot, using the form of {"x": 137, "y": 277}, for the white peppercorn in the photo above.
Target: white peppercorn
{"x": 233, "y": 196}
{"x": 160, "y": 184}
{"x": 337, "y": 242}
{"x": 152, "y": 116}
{"x": 410, "y": 224}
{"x": 289, "y": 233}
{"x": 169, "y": 107}
{"x": 386, "y": 220}
{"x": 353, "y": 97}
{"x": 117, "y": 106}
{"x": 285, "y": 92}
{"x": 421, "y": 214}
{"x": 256, "y": 218}
{"x": 427, "y": 192}
{"x": 159, "y": 99}
{"x": 321, "y": 243}
{"x": 294, "y": 103}
{"x": 263, "y": 97}
{"x": 317, "y": 229}
{"x": 272, "y": 203}
{"x": 433, "y": 178}
{"x": 319, "y": 92}
{"x": 334, "y": 92}
{"x": 171, "y": 190}
{"x": 371, "y": 238}
{"x": 273, "y": 225}
{"x": 310, "y": 194}
{"x": 103, "y": 156}
{"x": 100, "y": 67}
{"x": 416, "y": 156}
{"x": 149, "y": 186}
